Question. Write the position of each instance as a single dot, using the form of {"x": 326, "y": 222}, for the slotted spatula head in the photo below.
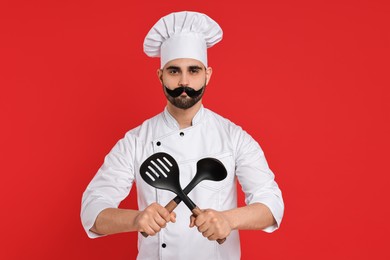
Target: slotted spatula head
{"x": 161, "y": 171}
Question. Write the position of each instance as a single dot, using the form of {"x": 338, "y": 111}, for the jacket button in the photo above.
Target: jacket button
{"x": 158, "y": 143}
{"x": 181, "y": 134}
{"x": 164, "y": 245}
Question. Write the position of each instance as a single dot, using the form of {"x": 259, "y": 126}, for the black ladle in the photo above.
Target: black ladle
{"x": 206, "y": 169}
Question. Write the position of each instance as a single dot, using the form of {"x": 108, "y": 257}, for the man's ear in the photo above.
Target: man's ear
{"x": 160, "y": 74}
{"x": 209, "y": 71}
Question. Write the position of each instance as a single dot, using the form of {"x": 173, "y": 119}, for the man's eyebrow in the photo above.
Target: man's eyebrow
{"x": 173, "y": 68}
{"x": 195, "y": 67}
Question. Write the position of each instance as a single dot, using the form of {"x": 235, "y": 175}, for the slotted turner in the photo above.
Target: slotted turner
{"x": 161, "y": 171}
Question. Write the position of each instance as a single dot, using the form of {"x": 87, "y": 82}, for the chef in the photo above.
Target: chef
{"x": 187, "y": 131}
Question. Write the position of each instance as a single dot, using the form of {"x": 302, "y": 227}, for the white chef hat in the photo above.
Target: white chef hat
{"x": 182, "y": 35}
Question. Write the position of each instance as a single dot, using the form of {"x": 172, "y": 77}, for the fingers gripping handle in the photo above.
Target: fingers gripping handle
{"x": 196, "y": 211}
{"x": 170, "y": 207}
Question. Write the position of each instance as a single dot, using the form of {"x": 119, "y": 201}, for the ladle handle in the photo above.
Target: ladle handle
{"x": 196, "y": 211}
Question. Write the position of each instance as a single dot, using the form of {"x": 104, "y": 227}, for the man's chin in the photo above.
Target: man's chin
{"x": 184, "y": 105}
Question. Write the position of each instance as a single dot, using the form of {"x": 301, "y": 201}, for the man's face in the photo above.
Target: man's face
{"x": 184, "y": 81}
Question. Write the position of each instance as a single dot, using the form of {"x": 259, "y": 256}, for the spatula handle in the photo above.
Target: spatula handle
{"x": 171, "y": 206}
{"x": 196, "y": 211}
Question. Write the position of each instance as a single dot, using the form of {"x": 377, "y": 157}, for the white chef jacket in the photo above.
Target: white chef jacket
{"x": 209, "y": 136}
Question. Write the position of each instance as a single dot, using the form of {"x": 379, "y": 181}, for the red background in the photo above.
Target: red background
{"x": 308, "y": 79}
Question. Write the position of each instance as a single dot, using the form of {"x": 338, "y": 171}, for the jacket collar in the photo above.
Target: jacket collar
{"x": 172, "y": 123}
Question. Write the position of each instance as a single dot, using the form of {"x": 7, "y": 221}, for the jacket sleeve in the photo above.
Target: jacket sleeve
{"x": 256, "y": 178}
{"x": 111, "y": 184}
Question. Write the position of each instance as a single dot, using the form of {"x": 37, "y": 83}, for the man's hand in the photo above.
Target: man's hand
{"x": 212, "y": 224}
{"x": 153, "y": 218}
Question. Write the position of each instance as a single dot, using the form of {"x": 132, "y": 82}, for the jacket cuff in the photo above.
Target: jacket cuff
{"x": 89, "y": 215}
{"x": 276, "y": 207}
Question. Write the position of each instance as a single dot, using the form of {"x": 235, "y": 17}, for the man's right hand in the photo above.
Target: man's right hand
{"x": 153, "y": 218}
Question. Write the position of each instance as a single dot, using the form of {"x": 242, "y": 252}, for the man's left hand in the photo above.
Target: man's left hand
{"x": 212, "y": 224}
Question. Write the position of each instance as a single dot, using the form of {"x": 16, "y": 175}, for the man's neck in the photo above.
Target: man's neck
{"x": 184, "y": 116}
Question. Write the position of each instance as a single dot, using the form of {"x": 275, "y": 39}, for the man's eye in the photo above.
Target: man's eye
{"x": 173, "y": 71}
{"x": 193, "y": 71}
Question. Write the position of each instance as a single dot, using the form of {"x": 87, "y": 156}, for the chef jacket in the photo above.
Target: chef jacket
{"x": 209, "y": 136}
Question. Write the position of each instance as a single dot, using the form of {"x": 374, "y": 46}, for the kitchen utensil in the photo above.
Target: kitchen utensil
{"x": 161, "y": 171}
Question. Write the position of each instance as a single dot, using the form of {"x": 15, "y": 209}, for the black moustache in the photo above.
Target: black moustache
{"x": 189, "y": 91}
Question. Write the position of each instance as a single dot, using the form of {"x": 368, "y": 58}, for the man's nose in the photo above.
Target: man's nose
{"x": 184, "y": 80}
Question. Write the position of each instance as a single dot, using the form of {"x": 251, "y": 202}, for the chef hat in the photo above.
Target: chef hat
{"x": 182, "y": 35}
